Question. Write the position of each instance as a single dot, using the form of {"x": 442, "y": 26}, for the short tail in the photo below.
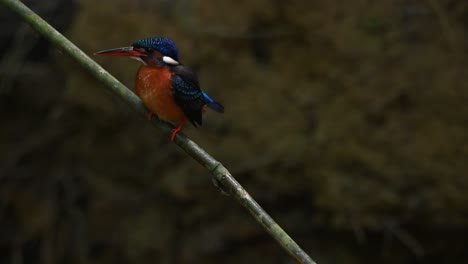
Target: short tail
{"x": 213, "y": 104}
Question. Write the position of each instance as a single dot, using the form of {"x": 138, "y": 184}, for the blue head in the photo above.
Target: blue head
{"x": 165, "y": 46}
{"x": 152, "y": 51}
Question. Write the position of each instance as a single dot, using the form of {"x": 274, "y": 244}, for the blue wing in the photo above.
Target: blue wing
{"x": 189, "y": 96}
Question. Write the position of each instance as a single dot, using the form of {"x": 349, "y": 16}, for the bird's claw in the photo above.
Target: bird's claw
{"x": 174, "y": 133}
{"x": 150, "y": 116}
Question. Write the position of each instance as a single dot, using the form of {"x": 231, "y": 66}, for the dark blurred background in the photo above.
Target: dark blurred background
{"x": 346, "y": 120}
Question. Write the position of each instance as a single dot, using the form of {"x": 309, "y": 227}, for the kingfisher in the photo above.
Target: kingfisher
{"x": 166, "y": 87}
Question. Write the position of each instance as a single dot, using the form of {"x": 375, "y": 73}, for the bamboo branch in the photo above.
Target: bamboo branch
{"x": 220, "y": 173}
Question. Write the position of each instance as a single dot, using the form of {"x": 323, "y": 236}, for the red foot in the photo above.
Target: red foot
{"x": 150, "y": 116}
{"x": 177, "y": 130}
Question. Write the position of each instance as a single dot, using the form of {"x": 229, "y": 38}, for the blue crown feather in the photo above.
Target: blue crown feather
{"x": 164, "y": 45}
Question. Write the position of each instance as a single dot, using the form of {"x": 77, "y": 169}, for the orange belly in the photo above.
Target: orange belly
{"x": 153, "y": 86}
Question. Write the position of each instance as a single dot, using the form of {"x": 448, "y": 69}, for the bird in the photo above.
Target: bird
{"x": 166, "y": 87}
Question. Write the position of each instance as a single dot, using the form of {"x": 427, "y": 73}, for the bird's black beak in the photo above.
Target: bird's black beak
{"x": 121, "y": 52}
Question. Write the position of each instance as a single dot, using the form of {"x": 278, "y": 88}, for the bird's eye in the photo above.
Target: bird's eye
{"x": 149, "y": 50}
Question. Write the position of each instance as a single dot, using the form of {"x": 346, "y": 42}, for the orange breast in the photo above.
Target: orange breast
{"x": 153, "y": 86}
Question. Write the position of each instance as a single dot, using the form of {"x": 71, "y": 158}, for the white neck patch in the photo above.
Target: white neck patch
{"x": 170, "y": 60}
{"x": 139, "y": 59}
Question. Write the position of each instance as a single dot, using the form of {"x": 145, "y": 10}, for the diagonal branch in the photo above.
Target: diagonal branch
{"x": 221, "y": 174}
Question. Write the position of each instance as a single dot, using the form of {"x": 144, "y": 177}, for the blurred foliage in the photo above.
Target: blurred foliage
{"x": 347, "y": 121}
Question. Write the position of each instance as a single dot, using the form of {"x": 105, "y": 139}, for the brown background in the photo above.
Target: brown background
{"x": 346, "y": 120}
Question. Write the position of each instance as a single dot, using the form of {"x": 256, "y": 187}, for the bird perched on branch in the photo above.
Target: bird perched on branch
{"x": 167, "y": 88}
